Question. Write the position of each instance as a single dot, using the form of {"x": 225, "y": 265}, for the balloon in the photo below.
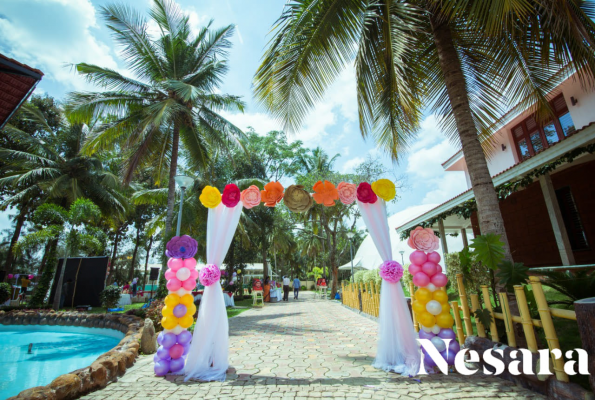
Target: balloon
{"x": 435, "y": 329}
{"x": 10, "y": 276}
{"x": 169, "y": 322}
{"x": 187, "y": 299}
{"x": 425, "y": 335}
{"x": 426, "y": 319}
{"x": 445, "y": 320}
{"x": 191, "y": 309}
{"x": 186, "y": 349}
{"x": 428, "y": 361}
{"x": 235, "y": 274}
{"x": 160, "y": 338}
{"x": 436, "y": 341}
{"x": 429, "y": 268}
{"x": 193, "y": 274}
{"x": 175, "y": 263}
{"x": 177, "y": 350}
{"x": 434, "y": 257}
{"x": 449, "y": 356}
{"x": 170, "y": 274}
{"x": 447, "y": 333}
{"x": 423, "y": 295}
{"x": 454, "y": 346}
{"x": 174, "y": 284}
{"x": 163, "y": 353}
{"x": 414, "y": 269}
{"x": 156, "y": 357}
{"x": 184, "y": 338}
{"x": 180, "y": 310}
{"x": 440, "y": 280}
{"x": 418, "y": 307}
{"x": 432, "y": 306}
{"x": 239, "y": 271}
{"x": 445, "y": 308}
{"x": 182, "y": 292}
{"x": 420, "y": 279}
{"x": 438, "y": 269}
{"x": 440, "y": 296}
{"x": 172, "y": 300}
{"x": 176, "y": 365}
{"x": 167, "y": 311}
{"x": 161, "y": 367}
{"x": 189, "y": 284}
{"x": 418, "y": 257}
{"x": 426, "y": 329}
{"x": 169, "y": 339}
{"x": 431, "y": 287}
{"x": 186, "y": 321}
{"x": 190, "y": 263}
{"x": 177, "y": 330}
{"x": 31, "y": 276}
{"x": 183, "y": 274}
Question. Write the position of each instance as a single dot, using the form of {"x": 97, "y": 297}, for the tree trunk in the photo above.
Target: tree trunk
{"x": 334, "y": 266}
{"x": 134, "y": 253}
{"x": 488, "y": 209}
{"x": 114, "y": 254}
{"x": 585, "y": 317}
{"x": 147, "y": 261}
{"x": 265, "y": 265}
{"x": 41, "y": 290}
{"x": 15, "y": 237}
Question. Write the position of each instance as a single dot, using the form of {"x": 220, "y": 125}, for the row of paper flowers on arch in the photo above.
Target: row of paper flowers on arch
{"x": 296, "y": 198}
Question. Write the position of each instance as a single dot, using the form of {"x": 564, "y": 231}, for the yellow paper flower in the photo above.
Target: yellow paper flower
{"x": 210, "y": 197}
{"x": 384, "y": 189}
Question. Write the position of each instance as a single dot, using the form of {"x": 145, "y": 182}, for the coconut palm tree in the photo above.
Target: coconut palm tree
{"x": 470, "y": 60}
{"x": 170, "y": 102}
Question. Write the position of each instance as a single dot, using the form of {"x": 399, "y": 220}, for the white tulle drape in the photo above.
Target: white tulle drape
{"x": 398, "y": 350}
{"x": 208, "y": 355}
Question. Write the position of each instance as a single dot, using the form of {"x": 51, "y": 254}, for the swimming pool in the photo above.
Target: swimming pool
{"x": 56, "y": 350}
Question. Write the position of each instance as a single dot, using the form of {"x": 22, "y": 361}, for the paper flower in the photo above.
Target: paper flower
{"x": 297, "y": 199}
{"x": 251, "y": 197}
{"x": 423, "y": 239}
{"x": 347, "y": 192}
{"x": 181, "y": 247}
{"x": 210, "y": 197}
{"x": 365, "y": 194}
{"x": 209, "y": 275}
{"x": 325, "y": 193}
{"x": 385, "y": 189}
{"x": 391, "y": 271}
{"x": 272, "y": 194}
{"x": 231, "y": 195}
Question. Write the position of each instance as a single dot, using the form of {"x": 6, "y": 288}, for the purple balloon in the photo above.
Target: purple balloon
{"x": 454, "y": 346}
{"x": 156, "y": 358}
{"x": 169, "y": 339}
{"x": 180, "y": 310}
{"x": 161, "y": 368}
{"x": 450, "y": 357}
{"x": 186, "y": 349}
{"x": 160, "y": 338}
{"x": 163, "y": 353}
{"x": 447, "y": 333}
{"x": 184, "y": 338}
{"x": 177, "y": 364}
{"x": 425, "y": 335}
{"x": 429, "y": 362}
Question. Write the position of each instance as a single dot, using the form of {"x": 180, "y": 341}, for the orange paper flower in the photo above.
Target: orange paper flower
{"x": 272, "y": 194}
{"x": 325, "y": 193}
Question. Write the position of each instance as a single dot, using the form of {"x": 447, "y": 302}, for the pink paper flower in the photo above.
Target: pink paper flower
{"x": 231, "y": 195}
{"x": 423, "y": 239}
{"x": 209, "y": 274}
{"x": 391, "y": 271}
{"x": 365, "y": 194}
{"x": 251, "y": 197}
{"x": 347, "y": 192}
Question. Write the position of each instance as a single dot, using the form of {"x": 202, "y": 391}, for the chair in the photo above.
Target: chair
{"x": 257, "y": 294}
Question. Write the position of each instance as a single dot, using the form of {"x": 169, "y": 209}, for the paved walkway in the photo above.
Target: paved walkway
{"x": 305, "y": 349}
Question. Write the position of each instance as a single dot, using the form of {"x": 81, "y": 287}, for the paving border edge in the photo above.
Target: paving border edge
{"x": 107, "y": 368}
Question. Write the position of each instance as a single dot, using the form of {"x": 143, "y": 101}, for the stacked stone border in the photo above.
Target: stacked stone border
{"x": 106, "y": 369}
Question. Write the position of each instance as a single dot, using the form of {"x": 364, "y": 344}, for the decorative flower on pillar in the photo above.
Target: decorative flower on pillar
{"x": 385, "y": 189}
{"x": 251, "y": 197}
{"x": 347, "y": 192}
{"x": 423, "y": 239}
{"x": 365, "y": 194}
{"x": 181, "y": 247}
{"x": 391, "y": 271}
{"x": 297, "y": 199}
{"x": 231, "y": 195}
{"x": 209, "y": 274}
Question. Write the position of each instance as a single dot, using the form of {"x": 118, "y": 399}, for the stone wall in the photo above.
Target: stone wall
{"x": 107, "y": 368}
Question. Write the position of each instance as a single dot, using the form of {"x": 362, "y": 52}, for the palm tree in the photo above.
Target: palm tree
{"x": 171, "y": 99}
{"x": 471, "y": 60}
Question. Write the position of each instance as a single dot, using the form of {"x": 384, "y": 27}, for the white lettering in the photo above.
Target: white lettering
{"x": 544, "y": 362}
{"x": 434, "y": 355}
{"x": 526, "y": 358}
{"x": 489, "y": 359}
{"x": 582, "y": 362}
{"x": 460, "y": 361}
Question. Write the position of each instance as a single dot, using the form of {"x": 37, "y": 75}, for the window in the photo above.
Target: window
{"x": 572, "y": 219}
{"x": 530, "y": 138}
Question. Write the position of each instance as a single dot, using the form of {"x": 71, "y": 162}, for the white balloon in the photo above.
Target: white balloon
{"x": 178, "y": 329}
{"x": 425, "y": 328}
{"x": 182, "y": 292}
{"x": 436, "y": 329}
{"x": 438, "y": 343}
{"x": 182, "y": 274}
{"x": 433, "y": 307}
{"x": 431, "y": 287}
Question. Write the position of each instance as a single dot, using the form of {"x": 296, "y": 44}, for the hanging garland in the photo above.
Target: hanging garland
{"x": 504, "y": 190}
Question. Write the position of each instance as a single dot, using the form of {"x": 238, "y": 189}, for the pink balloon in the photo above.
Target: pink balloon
{"x": 176, "y": 351}
{"x": 438, "y": 269}
{"x": 175, "y": 263}
{"x": 189, "y": 284}
{"x": 414, "y": 269}
{"x": 429, "y": 268}
{"x": 174, "y": 285}
{"x": 190, "y": 263}
{"x": 10, "y": 276}
{"x": 440, "y": 280}
{"x": 434, "y": 257}
{"x": 420, "y": 279}
{"x": 31, "y": 276}
{"x": 418, "y": 257}
{"x": 193, "y": 274}
{"x": 170, "y": 274}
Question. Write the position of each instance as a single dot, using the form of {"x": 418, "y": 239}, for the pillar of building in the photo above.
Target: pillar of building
{"x": 442, "y": 236}
{"x": 464, "y": 236}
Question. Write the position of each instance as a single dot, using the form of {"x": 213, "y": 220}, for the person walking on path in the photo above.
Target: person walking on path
{"x": 267, "y": 290}
{"x": 134, "y": 281}
{"x": 296, "y": 288}
{"x": 285, "y": 288}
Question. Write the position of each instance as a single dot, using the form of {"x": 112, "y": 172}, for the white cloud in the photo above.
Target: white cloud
{"x": 350, "y": 165}
{"x": 262, "y": 123}
{"x": 450, "y": 185}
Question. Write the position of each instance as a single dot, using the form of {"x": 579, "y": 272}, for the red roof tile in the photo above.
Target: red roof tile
{"x": 17, "y": 81}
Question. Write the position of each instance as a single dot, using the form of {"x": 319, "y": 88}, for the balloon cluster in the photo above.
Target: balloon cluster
{"x": 431, "y": 307}
{"x": 178, "y": 312}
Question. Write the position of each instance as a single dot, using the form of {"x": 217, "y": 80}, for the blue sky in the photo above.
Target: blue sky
{"x": 51, "y": 34}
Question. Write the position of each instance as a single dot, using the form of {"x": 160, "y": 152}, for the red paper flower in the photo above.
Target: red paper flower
{"x": 231, "y": 195}
{"x": 272, "y": 193}
{"x": 365, "y": 194}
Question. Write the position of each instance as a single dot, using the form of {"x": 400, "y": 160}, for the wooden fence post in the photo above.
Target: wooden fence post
{"x": 508, "y": 324}
{"x": 464, "y": 305}
{"x": 585, "y": 317}
{"x": 481, "y": 332}
{"x": 548, "y": 327}
{"x": 488, "y": 303}
{"x": 521, "y": 299}
{"x": 360, "y": 294}
{"x": 459, "y": 325}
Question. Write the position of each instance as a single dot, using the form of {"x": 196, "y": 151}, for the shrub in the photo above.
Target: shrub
{"x": 5, "y": 291}
{"x": 473, "y": 278}
{"x": 366, "y": 276}
{"x": 110, "y": 296}
{"x": 154, "y": 313}
{"x": 137, "y": 312}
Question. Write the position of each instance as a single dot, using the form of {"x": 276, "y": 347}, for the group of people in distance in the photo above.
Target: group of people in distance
{"x": 130, "y": 287}
{"x": 286, "y": 281}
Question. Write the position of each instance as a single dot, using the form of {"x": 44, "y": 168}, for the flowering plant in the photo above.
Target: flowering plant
{"x": 391, "y": 271}
{"x": 365, "y": 194}
{"x": 231, "y": 195}
{"x": 272, "y": 194}
{"x": 251, "y": 197}
{"x": 423, "y": 239}
{"x": 385, "y": 189}
{"x": 325, "y": 193}
{"x": 210, "y": 197}
{"x": 297, "y": 199}
{"x": 347, "y": 192}
{"x": 181, "y": 247}
{"x": 209, "y": 275}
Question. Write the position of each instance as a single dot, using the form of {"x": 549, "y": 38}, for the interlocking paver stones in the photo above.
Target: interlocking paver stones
{"x": 304, "y": 349}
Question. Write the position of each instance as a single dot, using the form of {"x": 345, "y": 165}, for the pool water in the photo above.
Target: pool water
{"x": 56, "y": 350}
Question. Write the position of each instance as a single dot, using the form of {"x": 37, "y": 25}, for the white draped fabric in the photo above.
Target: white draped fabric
{"x": 208, "y": 355}
{"x": 397, "y": 350}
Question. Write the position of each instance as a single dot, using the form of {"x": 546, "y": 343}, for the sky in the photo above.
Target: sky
{"x": 51, "y": 35}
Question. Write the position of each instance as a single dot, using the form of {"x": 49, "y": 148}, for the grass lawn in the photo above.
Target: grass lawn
{"x": 232, "y": 312}
{"x": 99, "y": 310}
